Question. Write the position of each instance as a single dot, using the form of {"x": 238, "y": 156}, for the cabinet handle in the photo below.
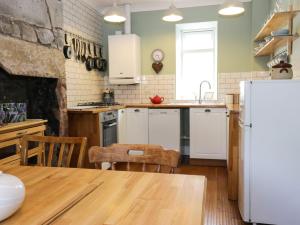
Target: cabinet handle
{"x": 137, "y": 110}
{"x": 207, "y": 110}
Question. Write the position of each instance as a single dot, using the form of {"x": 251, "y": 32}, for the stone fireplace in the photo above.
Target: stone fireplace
{"x": 31, "y": 59}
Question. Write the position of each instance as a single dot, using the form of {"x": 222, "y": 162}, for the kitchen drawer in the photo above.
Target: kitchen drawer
{"x": 21, "y": 133}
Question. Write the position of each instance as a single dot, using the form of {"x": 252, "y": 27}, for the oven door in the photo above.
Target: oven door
{"x": 109, "y": 132}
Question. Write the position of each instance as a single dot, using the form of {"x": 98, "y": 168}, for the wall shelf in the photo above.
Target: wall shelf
{"x": 276, "y": 42}
{"x": 278, "y": 20}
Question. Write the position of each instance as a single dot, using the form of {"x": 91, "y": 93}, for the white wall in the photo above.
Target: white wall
{"x": 82, "y": 85}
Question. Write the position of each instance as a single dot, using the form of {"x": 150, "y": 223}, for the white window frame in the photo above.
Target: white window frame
{"x": 190, "y": 27}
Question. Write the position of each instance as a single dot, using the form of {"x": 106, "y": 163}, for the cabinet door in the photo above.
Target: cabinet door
{"x": 208, "y": 133}
{"x": 164, "y": 128}
{"x": 137, "y": 126}
{"x": 122, "y": 126}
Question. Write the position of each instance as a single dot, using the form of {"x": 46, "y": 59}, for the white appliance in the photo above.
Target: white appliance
{"x": 124, "y": 53}
{"x": 269, "y": 165}
{"x": 137, "y": 130}
{"x": 208, "y": 133}
{"x": 164, "y": 128}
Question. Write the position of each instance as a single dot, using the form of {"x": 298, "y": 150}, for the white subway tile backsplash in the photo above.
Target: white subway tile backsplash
{"x": 81, "y": 19}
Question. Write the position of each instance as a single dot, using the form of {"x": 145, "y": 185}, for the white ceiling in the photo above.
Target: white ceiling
{"x": 150, "y": 5}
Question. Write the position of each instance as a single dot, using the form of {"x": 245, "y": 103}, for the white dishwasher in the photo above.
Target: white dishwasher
{"x": 164, "y": 128}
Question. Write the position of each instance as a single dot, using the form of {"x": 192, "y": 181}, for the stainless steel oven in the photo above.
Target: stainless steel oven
{"x": 108, "y": 128}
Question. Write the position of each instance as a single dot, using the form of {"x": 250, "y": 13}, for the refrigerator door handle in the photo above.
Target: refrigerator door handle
{"x": 242, "y": 124}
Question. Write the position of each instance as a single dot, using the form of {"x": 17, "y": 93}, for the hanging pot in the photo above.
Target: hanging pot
{"x": 83, "y": 53}
{"x": 103, "y": 62}
{"x": 89, "y": 63}
{"x": 67, "y": 48}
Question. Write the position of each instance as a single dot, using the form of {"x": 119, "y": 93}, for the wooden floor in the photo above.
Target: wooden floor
{"x": 219, "y": 210}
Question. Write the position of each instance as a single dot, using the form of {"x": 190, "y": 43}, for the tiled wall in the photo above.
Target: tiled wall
{"x": 165, "y": 85}
{"x": 82, "y": 85}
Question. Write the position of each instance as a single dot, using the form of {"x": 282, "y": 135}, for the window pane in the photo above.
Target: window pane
{"x": 196, "y": 67}
{"x": 197, "y": 40}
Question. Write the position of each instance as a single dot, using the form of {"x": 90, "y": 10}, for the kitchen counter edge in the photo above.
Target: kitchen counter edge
{"x": 234, "y": 108}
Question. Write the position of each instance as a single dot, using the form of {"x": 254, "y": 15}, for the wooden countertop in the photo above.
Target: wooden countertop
{"x": 21, "y": 125}
{"x": 177, "y": 105}
{"x": 136, "y": 105}
{"x": 57, "y": 196}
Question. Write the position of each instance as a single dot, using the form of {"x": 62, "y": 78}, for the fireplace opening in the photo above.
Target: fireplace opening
{"x": 38, "y": 93}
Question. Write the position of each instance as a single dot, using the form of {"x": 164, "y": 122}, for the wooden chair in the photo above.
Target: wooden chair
{"x": 141, "y": 154}
{"x": 67, "y": 148}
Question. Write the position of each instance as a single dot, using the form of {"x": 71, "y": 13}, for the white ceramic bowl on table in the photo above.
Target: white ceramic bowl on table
{"x": 12, "y": 194}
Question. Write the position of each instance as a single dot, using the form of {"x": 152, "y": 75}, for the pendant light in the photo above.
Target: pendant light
{"x": 172, "y": 14}
{"x": 231, "y": 8}
{"x": 115, "y": 14}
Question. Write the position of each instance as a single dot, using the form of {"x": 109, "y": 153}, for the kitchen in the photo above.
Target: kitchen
{"x": 142, "y": 83}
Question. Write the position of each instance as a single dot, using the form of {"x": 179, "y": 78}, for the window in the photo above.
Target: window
{"x": 196, "y": 59}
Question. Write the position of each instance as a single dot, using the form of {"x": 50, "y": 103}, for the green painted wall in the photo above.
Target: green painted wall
{"x": 235, "y": 36}
{"x": 260, "y": 13}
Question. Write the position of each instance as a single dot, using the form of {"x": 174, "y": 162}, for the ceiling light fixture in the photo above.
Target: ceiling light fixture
{"x": 115, "y": 14}
{"x": 172, "y": 14}
{"x": 231, "y": 8}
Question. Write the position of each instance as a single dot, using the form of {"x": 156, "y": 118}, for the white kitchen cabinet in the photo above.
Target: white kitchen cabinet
{"x": 124, "y": 52}
{"x": 164, "y": 128}
{"x": 137, "y": 126}
{"x": 122, "y": 126}
{"x": 208, "y": 133}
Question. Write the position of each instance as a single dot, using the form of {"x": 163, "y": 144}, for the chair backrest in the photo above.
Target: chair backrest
{"x": 143, "y": 154}
{"x": 65, "y": 146}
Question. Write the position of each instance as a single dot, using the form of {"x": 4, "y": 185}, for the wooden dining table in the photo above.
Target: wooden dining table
{"x": 88, "y": 196}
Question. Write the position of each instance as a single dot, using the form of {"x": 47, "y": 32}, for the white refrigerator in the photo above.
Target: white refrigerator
{"x": 269, "y": 164}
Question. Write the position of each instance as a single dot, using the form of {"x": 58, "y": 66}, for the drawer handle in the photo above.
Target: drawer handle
{"x": 21, "y": 133}
{"x": 207, "y": 110}
{"x": 136, "y": 110}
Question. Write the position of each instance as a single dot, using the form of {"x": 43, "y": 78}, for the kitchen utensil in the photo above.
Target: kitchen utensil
{"x": 89, "y": 64}
{"x": 282, "y": 71}
{"x": 12, "y": 194}
{"x": 97, "y": 59}
{"x": 157, "y": 99}
{"x": 67, "y": 48}
{"x": 281, "y": 32}
{"x": 108, "y": 97}
{"x": 83, "y": 46}
{"x": 103, "y": 62}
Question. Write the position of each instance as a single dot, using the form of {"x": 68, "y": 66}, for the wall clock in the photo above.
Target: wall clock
{"x": 157, "y": 56}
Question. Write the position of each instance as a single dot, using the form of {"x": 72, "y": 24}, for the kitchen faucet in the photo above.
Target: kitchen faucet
{"x": 200, "y": 89}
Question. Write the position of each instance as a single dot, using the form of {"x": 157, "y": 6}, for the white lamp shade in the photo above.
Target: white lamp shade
{"x": 231, "y": 8}
{"x": 172, "y": 14}
{"x": 115, "y": 14}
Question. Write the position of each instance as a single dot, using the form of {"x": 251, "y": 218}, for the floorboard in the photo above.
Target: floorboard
{"x": 219, "y": 210}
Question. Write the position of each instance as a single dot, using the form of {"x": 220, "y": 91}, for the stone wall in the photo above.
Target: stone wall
{"x": 82, "y": 20}
{"x": 32, "y": 37}
{"x": 31, "y": 43}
